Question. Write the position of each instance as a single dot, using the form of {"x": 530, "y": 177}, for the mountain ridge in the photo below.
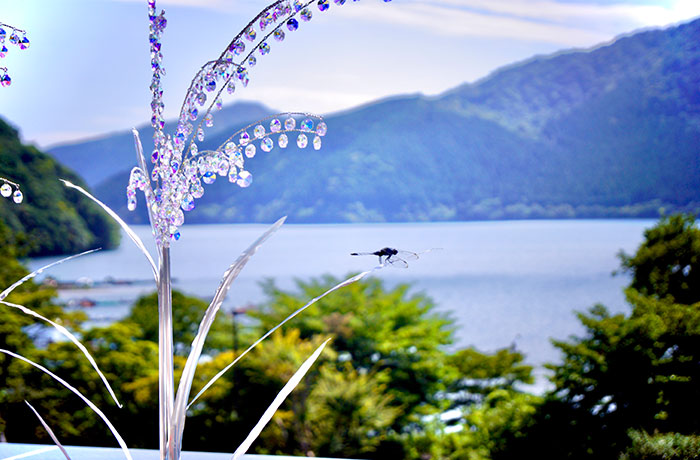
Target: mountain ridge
{"x": 608, "y": 132}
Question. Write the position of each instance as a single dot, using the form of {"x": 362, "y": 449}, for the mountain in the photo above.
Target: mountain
{"x": 52, "y": 218}
{"x": 98, "y": 159}
{"x": 612, "y": 131}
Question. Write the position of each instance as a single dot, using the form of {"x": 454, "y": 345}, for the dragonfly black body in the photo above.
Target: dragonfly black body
{"x": 390, "y": 256}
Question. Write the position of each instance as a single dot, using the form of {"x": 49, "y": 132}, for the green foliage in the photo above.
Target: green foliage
{"x": 375, "y": 330}
{"x": 669, "y": 446}
{"x": 639, "y": 371}
{"x": 18, "y": 331}
{"x": 53, "y": 219}
{"x": 667, "y": 264}
{"x": 188, "y": 312}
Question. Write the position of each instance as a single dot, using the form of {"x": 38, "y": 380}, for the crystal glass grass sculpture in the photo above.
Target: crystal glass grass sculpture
{"x": 179, "y": 172}
{"x": 11, "y": 190}
{"x": 180, "y": 169}
{"x": 14, "y": 37}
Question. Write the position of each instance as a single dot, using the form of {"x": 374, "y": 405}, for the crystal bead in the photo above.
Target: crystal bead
{"x": 14, "y": 38}
{"x": 267, "y": 144}
{"x": 176, "y": 236}
{"x": 321, "y": 129}
{"x": 3, "y": 34}
{"x": 209, "y": 120}
{"x": 323, "y": 5}
{"x": 252, "y": 61}
{"x": 231, "y": 88}
{"x": 306, "y": 15}
{"x": 17, "y": 197}
{"x": 264, "y": 48}
{"x": 200, "y": 134}
{"x": 23, "y": 43}
{"x": 302, "y": 141}
{"x": 259, "y": 131}
{"x": 266, "y": 20}
{"x": 179, "y": 218}
{"x": 244, "y": 179}
{"x": 194, "y": 150}
{"x": 219, "y": 104}
{"x": 221, "y": 165}
{"x": 307, "y": 124}
{"x": 245, "y": 80}
{"x": 279, "y": 35}
{"x": 250, "y": 150}
{"x": 238, "y": 47}
{"x": 233, "y": 175}
{"x": 5, "y": 80}
{"x": 130, "y": 204}
{"x": 193, "y": 114}
{"x": 187, "y": 203}
{"x": 250, "y": 34}
{"x": 210, "y": 85}
{"x": 317, "y": 143}
{"x": 230, "y": 148}
{"x": 292, "y": 25}
{"x": 275, "y": 125}
{"x": 339, "y": 2}
{"x": 298, "y": 5}
{"x": 3, "y": 51}
{"x": 237, "y": 159}
{"x": 283, "y": 141}
{"x": 289, "y": 123}
{"x": 202, "y": 98}
{"x": 209, "y": 177}
{"x": 197, "y": 190}
{"x": 245, "y": 138}
{"x": 5, "y": 190}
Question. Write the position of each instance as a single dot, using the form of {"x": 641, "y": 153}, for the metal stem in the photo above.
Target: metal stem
{"x": 166, "y": 379}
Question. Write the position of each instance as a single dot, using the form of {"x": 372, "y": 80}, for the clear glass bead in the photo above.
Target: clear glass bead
{"x": 283, "y": 141}
{"x": 5, "y": 190}
{"x": 259, "y": 131}
{"x": 302, "y": 141}
{"x": 267, "y": 144}
{"x": 244, "y": 179}
{"x": 250, "y": 150}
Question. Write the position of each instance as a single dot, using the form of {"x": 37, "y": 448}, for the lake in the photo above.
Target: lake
{"x": 504, "y": 283}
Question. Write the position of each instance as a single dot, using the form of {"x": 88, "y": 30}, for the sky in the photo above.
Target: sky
{"x": 87, "y": 70}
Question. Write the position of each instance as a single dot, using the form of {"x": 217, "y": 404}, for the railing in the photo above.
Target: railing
{"x": 11, "y": 451}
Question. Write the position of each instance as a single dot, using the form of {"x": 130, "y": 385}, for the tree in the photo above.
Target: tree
{"x": 375, "y": 330}
{"x": 667, "y": 264}
{"x": 639, "y": 371}
{"x": 188, "y": 312}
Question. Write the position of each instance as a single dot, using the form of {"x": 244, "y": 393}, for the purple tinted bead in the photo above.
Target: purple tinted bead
{"x": 5, "y": 80}
{"x": 323, "y": 5}
{"x": 292, "y": 25}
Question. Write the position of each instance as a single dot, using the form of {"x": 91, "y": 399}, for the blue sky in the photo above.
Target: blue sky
{"x": 87, "y": 71}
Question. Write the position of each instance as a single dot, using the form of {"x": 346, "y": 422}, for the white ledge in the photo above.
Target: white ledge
{"x": 11, "y": 451}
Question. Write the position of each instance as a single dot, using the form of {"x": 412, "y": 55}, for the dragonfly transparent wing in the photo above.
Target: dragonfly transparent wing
{"x": 395, "y": 261}
{"x": 407, "y": 255}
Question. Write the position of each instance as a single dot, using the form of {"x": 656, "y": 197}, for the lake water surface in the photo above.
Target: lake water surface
{"x": 505, "y": 283}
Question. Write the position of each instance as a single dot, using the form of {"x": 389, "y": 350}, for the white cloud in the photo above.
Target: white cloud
{"x": 547, "y": 21}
